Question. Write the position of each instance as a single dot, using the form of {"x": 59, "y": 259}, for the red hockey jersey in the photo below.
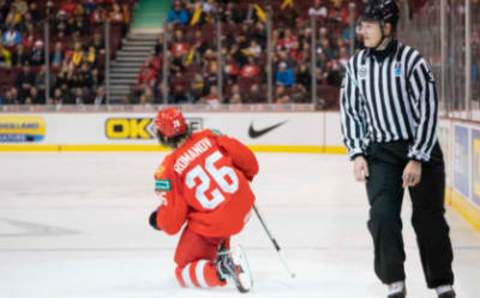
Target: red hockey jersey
{"x": 205, "y": 182}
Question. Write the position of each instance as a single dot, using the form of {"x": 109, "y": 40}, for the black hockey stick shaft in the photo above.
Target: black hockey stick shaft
{"x": 272, "y": 239}
{"x": 260, "y": 218}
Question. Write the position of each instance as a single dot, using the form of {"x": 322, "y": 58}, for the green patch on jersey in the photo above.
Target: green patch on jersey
{"x": 163, "y": 185}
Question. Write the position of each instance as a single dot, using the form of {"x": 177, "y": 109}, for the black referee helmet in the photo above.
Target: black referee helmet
{"x": 383, "y": 11}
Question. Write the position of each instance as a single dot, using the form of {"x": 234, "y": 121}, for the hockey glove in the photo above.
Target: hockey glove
{"x": 153, "y": 221}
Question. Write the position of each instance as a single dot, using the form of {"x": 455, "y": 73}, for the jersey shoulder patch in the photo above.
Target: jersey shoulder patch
{"x": 163, "y": 185}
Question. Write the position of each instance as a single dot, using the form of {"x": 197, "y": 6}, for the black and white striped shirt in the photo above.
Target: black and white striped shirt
{"x": 391, "y": 98}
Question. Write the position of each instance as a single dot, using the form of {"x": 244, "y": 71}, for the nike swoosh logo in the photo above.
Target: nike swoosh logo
{"x": 253, "y": 133}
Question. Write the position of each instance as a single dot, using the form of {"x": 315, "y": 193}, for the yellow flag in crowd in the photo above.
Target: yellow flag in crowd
{"x": 189, "y": 58}
{"x": 196, "y": 15}
{"x": 262, "y": 16}
{"x": 286, "y": 3}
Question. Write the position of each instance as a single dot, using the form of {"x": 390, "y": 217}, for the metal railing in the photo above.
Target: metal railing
{"x": 223, "y": 38}
{"x": 320, "y": 62}
{"x": 147, "y": 108}
{"x": 447, "y": 32}
{"x": 221, "y": 34}
{"x": 54, "y": 56}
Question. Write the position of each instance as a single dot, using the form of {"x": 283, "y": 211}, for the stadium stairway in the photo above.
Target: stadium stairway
{"x": 148, "y": 20}
{"x": 125, "y": 68}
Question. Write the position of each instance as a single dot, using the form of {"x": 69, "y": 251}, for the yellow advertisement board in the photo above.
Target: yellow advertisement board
{"x": 476, "y": 169}
{"x": 129, "y": 128}
{"x": 21, "y": 128}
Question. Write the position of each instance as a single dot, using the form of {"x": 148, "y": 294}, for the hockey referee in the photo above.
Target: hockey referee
{"x": 389, "y": 120}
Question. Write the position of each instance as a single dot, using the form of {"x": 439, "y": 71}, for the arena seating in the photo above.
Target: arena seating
{"x": 241, "y": 23}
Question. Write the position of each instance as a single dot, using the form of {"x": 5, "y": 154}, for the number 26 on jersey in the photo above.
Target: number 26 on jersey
{"x": 199, "y": 179}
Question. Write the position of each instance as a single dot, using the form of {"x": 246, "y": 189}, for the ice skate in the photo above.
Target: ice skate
{"x": 397, "y": 290}
{"x": 446, "y": 292}
{"x": 232, "y": 265}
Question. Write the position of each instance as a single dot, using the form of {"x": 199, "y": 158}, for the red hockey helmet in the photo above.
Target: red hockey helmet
{"x": 170, "y": 123}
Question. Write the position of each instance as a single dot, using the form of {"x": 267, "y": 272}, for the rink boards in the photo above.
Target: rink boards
{"x": 460, "y": 141}
{"x": 265, "y": 132}
{"x": 291, "y": 132}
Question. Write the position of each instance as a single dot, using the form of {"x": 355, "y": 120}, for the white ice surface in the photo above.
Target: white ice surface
{"x": 75, "y": 225}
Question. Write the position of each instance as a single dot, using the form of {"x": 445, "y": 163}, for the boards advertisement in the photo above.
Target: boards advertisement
{"x": 476, "y": 166}
{"x": 309, "y": 132}
{"x": 461, "y": 176}
{"x": 21, "y": 129}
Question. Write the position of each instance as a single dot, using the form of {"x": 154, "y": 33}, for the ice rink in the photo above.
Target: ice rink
{"x": 75, "y": 225}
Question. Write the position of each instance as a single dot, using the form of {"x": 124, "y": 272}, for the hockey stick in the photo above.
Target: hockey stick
{"x": 274, "y": 242}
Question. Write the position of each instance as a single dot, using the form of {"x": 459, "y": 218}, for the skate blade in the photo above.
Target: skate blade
{"x": 243, "y": 280}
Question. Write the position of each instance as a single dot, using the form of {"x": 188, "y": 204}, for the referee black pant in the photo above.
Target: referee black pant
{"x": 386, "y": 162}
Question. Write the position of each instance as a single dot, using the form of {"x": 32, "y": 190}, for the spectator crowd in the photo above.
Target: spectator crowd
{"x": 76, "y": 49}
{"x": 194, "y": 63}
{"x": 192, "y": 51}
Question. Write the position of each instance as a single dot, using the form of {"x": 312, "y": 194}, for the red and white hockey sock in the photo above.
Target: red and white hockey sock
{"x": 199, "y": 274}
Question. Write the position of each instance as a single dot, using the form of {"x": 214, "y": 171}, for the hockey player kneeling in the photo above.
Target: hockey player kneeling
{"x": 204, "y": 183}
